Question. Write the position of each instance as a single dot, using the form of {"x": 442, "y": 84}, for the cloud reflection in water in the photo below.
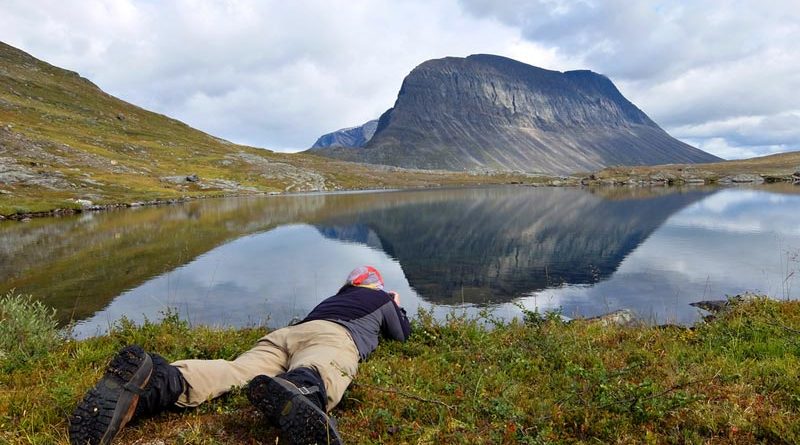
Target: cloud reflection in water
{"x": 569, "y": 249}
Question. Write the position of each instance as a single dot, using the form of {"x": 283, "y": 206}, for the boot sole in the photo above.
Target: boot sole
{"x": 300, "y": 420}
{"x": 110, "y": 405}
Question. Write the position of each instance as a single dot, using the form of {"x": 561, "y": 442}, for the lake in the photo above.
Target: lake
{"x": 267, "y": 260}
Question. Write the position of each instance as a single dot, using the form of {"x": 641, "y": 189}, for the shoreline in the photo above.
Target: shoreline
{"x": 58, "y": 212}
{"x": 602, "y": 179}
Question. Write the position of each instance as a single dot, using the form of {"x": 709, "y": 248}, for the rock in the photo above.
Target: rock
{"x": 713, "y": 306}
{"x": 742, "y": 179}
{"x": 2, "y": 217}
{"x": 658, "y": 177}
{"x": 14, "y": 172}
{"x": 225, "y": 185}
{"x": 84, "y": 203}
{"x": 745, "y": 178}
{"x": 173, "y": 179}
{"x": 182, "y": 179}
{"x": 717, "y": 306}
{"x": 621, "y": 317}
{"x": 25, "y": 219}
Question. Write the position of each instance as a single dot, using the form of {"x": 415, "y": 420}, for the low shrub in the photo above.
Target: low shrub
{"x": 28, "y": 330}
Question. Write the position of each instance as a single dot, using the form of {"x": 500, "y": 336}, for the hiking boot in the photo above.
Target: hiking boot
{"x": 110, "y": 405}
{"x": 300, "y": 419}
{"x": 164, "y": 388}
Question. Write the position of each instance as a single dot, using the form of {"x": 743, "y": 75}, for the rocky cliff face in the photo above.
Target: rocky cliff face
{"x": 487, "y": 112}
{"x": 347, "y": 137}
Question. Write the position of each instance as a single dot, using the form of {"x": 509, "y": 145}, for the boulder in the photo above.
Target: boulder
{"x": 84, "y": 203}
{"x": 694, "y": 181}
{"x": 182, "y": 179}
{"x": 713, "y": 306}
{"x": 621, "y": 317}
{"x": 717, "y": 306}
{"x": 742, "y": 179}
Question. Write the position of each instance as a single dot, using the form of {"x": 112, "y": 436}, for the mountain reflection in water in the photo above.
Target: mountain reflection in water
{"x": 241, "y": 261}
{"x": 491, "y": 245}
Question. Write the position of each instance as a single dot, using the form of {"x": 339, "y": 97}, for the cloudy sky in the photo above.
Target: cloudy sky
{"x": 723, "y": 75}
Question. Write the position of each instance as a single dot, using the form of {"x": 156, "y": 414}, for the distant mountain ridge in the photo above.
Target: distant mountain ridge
{"x": 487, "y": 112}
{"x": 347, "y": 137}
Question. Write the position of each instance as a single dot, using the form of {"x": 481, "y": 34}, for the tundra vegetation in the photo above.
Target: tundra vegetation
{"x": 733, "y": 379}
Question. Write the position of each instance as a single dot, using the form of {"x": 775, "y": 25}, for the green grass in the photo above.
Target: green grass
{"x": 481, "y": 380}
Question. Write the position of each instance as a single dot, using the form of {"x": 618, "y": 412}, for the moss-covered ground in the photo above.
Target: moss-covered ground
{"x": 735, "y": 379}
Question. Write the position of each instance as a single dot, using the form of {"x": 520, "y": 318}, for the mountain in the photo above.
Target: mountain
{"x": 65, "y": 144}
{"x": 487, "y": 112}
{"x": 347, "y": 137}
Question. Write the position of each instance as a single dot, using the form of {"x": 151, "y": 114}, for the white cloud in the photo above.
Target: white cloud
{"x": 724, "y": 149}
{"x": 683, "y": 63}
{"x": 268, "y": 73}
{"x": 278, "y": 74}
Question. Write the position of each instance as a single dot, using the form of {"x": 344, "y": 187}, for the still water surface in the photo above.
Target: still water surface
{"x": 244, "y": 261}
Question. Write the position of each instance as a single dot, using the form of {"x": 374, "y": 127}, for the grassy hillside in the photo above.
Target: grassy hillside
{"x": 783, "y": 167}
{"x": 733, "y": 380}
{"x": 63, "y": 139}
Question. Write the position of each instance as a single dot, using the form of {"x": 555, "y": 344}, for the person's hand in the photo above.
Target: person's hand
{"x": 395, "y": 297}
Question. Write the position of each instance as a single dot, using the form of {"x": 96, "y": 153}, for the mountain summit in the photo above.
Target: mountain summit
{"x": 347, "y": 137}
{"x": 487, "y": 112}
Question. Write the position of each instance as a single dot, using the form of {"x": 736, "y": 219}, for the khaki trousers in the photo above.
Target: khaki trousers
{"x": 322, "y": 345}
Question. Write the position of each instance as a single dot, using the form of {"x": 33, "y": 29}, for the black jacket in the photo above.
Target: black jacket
{"x": 366, "y": 313}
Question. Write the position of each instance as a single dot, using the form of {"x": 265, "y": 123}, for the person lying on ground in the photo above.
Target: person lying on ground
{"x": 295, "y": 375}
